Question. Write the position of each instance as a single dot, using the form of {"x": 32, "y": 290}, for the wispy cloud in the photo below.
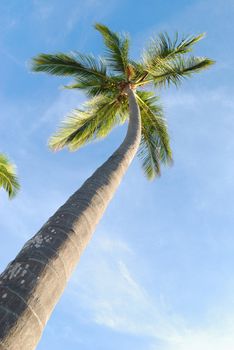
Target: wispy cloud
{"x": 196, "y": 98}
{"x": 59, "y": 108}
{"x": 107, "y": 288}
{"x": 61, "y": 19}
{"x": 218, "y": 335}
{"x": 114, "y": 297}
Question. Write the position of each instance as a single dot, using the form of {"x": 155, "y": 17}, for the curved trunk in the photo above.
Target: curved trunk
{"x": 32, "y": 283}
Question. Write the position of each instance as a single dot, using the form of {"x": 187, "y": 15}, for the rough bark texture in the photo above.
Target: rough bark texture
{"x": 32, "y": 283}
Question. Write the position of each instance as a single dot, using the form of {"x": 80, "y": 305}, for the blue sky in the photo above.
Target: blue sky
{"x": 158, "y": 274}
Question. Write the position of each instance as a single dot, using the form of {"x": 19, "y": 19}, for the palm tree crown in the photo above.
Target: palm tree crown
{"x": 8, "y": 178}
{"x": 104, "y": 80}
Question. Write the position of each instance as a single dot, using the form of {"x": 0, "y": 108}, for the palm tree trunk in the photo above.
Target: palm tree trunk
{"x": 32, "y": 283}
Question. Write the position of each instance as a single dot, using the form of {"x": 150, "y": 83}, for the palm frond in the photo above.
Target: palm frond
{"x": 162, "y": 50}
{"x": 155, "y": 146}
{"x": 95, "y": 86}
{"x": 73, "y": 64}
{"x": 117, "y": 49}
{"x": 95, "y": 121}
{"x": 8, "y": 178}
{"x": 177, "y": 69}
{"x": 163, "y": 47}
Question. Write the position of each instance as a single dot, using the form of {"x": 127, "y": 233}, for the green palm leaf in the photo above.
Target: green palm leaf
{"x": 179, "y": 68}
{"x": 73, "y": 64}
{"x": 8, "y": 178}
{"x": 164, "y": 59}
{"x": 95, "y": 121}
{"x": 94, "y": 86}
{"x": 117, "y": 49}
{"x": 163, "y": 47}
{"x": 155, "y": 147}
{"x": 90, "y": 74}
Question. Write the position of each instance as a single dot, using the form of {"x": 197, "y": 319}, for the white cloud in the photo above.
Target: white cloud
{"x": 62, "y": 105}
{"x": 105, "y": 287}
{"x": 214, "y": 337}
{"x": 72, "y": 16}
{"x": 197, "y": 98}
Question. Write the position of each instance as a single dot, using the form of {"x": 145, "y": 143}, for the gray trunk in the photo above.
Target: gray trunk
{"x": 31, "y": 285}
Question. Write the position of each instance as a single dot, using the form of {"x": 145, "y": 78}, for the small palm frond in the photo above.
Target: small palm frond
{"x": 117, "y": 49}
{"x": 177, "y": 69}
{"x": 163, "y": 53}
{"x": 96, "y": 120}
{"x": 8, "y": 178}
{"x": 155, "y": 146}
{"x": 73, "y": 64}
{"x": 163, "y": 47}
{"x": 95, "y": 86}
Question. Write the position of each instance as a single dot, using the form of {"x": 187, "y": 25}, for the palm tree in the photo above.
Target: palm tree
{"x": 8, "y": 178}
{"x": 116, "y": 85}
